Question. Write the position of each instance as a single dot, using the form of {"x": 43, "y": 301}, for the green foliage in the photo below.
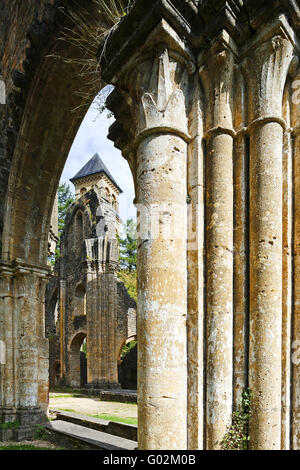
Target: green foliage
{"x": 127, "y": 259}
{"x": 65, "y": 200}
{"x": 40, "y": 432}
{"x": 128, "y": 247}
{"x": 9, "y": 425}
{"x": 237, "y": 435}
{"x": 128, "y": 348}
{"x": 84, "y": 348}
{"x": 130, "y": 281}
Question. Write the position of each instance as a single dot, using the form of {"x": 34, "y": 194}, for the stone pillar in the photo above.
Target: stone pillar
{"x": 267, "y": 72}
{"x": 287, "y": 274}
{"x": 196, "y": 276}
{"x": 241, "y": 244}
{"x": 24, "y": 376}
{"x": 62, "y": 319}
{"x": 161, "y": 165}
{"x": 217, "y": 80}
{"x": 102, "y": 365}
{"x": 162, "y": 295}
{"x": 156, "y": 147}
{"x": 295, "y": 363}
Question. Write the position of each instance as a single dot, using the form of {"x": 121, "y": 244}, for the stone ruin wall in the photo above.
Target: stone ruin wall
{"x": 70, "y": 274}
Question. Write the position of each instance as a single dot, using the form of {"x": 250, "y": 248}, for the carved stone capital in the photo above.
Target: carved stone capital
{"x": 151, "y": 90}
{"x": 216, "y": 73}
{"x": 266, "y": 68}
{"x": 102, "y": 255}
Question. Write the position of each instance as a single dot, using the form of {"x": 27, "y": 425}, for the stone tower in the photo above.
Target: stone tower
{"x": 93, "y": 305}
{"x": 94, "y": 173}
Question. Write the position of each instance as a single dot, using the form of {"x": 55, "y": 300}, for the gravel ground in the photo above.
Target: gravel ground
{"x": 92, "y": 406}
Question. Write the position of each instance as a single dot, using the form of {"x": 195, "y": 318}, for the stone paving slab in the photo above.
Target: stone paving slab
{"x": 91, "y": 437}
{"x": 127, "y": 431}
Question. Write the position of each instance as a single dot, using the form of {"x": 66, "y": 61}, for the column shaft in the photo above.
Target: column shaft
{"x": 295, "y": 398}
{"x": 195, "y": 322}
{"x": 287, "y": 289}
{"x": 162, "y": 293}
{"x": 266, "y": 284}
{"x": 219, "y": 286}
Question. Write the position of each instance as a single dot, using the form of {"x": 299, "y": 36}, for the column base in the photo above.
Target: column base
{"x": 21, "y": 424}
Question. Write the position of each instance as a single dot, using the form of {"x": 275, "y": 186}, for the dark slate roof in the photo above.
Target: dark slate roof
{"x": 92, "y": 167}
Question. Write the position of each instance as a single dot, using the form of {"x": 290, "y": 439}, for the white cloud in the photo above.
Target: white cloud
{"x": 91, "y": 138}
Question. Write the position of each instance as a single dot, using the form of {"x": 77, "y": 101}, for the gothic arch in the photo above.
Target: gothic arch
{"x": 123, "y": 343}
{"x": 47, "y": 130}
{"x": 74, "y": 359}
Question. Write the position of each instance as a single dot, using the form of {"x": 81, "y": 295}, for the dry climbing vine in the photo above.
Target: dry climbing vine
{"x": 87, "y": 31}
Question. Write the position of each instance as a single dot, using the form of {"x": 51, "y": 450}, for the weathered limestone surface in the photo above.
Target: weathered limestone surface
{"x": 206, "y": 102}
{"x": 295, "y": 304}
{"x": 219, "y": 238}
{"x": 266, "y": 228}
{"x": 240, "y": 275}
{"x": 24, "y": 376}
{"x": 161, "y": 169}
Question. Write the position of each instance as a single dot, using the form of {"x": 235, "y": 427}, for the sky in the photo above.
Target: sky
{"x": 92, "y": 138}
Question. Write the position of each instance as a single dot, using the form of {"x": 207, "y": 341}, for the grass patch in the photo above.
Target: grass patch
{"x": 116, "y": 419}
{"x": 106, "y": 417}
{"x": 24, "y": 447}
{"x": 68, "y": 411}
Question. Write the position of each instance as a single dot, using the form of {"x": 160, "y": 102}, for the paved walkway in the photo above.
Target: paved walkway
{"x": 91, "y": 406}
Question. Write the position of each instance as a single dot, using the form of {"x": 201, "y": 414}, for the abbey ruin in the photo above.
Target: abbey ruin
{"x": 84, "y": 299}
{"x": 206, "y": 105}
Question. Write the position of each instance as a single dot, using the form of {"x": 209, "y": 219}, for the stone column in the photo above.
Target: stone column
{"x": 241, "y": 244}
{"x": 266, "y": 80}
{"x": 295, "y": 350}
{"x": 216, "y": 76}
{"x": 102, "y": 366}
{"x": 92, "y": 315}
{"x": 162, "y": 295}
{"x": 156, "y": 85}
{"x": 287, "y": 274}
{"x": 24, "y": 376}
{"x": 196, "y": 275}
{"x": 62, "y": 319}
{"x": 8, "y": 325}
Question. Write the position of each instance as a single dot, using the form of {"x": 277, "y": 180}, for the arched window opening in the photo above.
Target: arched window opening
{"x": 80, "y": 300}
{"x": 114, "y": 202}
{"x": 57, "y": 372}
{"x": 107, "y": 194}
{"x": 79, "y": 226}
{"x": 127, "y": 364}
{"x": 77, "y": 376}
